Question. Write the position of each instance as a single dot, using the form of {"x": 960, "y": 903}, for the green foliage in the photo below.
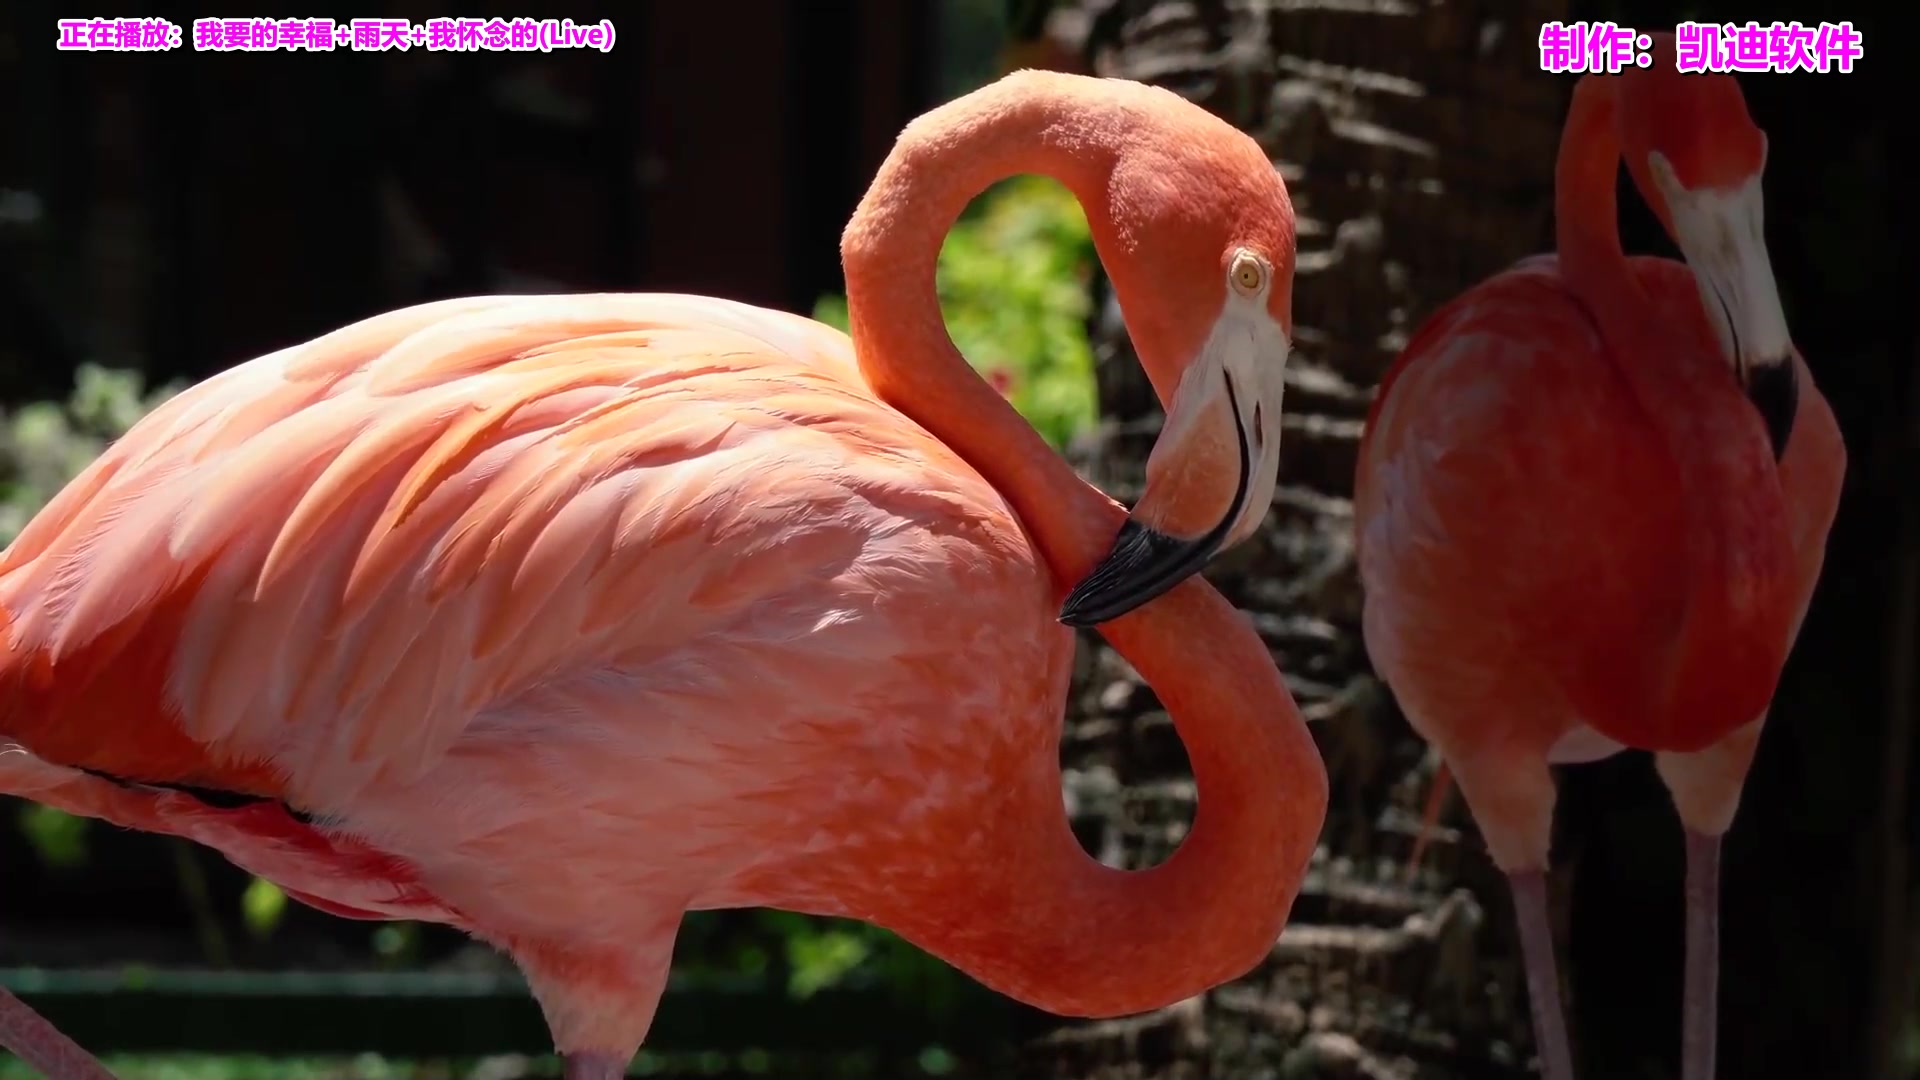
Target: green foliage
{"x": 261, "y": 906}
{"x": 397, "y": 944}
{"x": 1013, "y": 283}
{"x": 47, "y": 443}
{"x": 812, "y": 954}
{"x": 238, "y": 1067}
{"x": 817, "y": 959}
{"x": 933, "y": 1062}
{"x": 60, "y": 839}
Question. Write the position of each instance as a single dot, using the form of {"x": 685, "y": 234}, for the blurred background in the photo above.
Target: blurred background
{"x": 164, "y": 216}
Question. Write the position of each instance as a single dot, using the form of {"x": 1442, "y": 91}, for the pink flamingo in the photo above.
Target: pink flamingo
{"x": 1593, "y": 500}
{"x": 555, "y": 617}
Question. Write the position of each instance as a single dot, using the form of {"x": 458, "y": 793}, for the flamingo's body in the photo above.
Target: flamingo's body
{"x": 405, "y": 596}
{"x": 1574, "y": 534}
{"x": 1499, "y": 484}
{"x": 553, "y": 618}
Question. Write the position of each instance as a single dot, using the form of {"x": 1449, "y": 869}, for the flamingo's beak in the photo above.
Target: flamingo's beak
{"x": 1720, "y": 233}
{"x": 1211, "y": 475}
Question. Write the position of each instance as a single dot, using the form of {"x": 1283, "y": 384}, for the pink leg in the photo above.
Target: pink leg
{"x": 594, "y": 1067}
{"x": 41, "y": 1045}
{"x": 1543, "y": 978}
{"x": 1700, "y": 1004}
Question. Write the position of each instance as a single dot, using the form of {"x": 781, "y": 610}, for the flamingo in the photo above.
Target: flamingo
{"x": 1592, "y": 503}
{"x": 552, "y": 618}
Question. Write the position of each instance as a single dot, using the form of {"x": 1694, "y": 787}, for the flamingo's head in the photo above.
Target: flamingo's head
{"x": 1697, "y": 157}
{"x": 1197, "y": 234}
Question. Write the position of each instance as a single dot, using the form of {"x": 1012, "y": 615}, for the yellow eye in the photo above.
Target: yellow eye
{"x": 1248, "y": 274}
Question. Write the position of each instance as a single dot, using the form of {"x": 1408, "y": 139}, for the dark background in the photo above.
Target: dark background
{"x": 179, "y": 213}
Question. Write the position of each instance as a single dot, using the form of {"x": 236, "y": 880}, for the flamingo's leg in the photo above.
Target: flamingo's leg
{"x": 1543, "y": 976}
{"x": 1706, "y": 786}
{"x": 38, "y": 1043}
{"x": 594, "y": 1067}
{"x": 1511, "y": 795}
{"x": 599, "y": 1006}
{"x": 1700, "y": 1005}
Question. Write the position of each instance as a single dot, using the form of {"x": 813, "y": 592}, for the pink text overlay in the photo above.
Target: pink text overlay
{"x": 1702, "y": 47}
{"x": 328, "y": 35}
{"x": 119, "y": 35}
{"x": 1781, "y": 47}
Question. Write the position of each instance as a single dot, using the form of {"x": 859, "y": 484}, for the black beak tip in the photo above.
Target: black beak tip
{"x": 1774, "y": 389}
{"x": 1091, "y": 603}
{"x": 1142, "y": 565}
{"x": 1100, "y": 595}
{"x": 1074, "y": 612}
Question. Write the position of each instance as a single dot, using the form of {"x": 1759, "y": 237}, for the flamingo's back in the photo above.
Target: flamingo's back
{"x": 294, "y": 592}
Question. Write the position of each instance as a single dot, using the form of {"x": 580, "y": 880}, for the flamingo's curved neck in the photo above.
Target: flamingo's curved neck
{"x": 1586, "y": 211}
{"x": 1672, "y": 363}
{"x": 889, "y": 251}
{"x": 1040, "y": 920}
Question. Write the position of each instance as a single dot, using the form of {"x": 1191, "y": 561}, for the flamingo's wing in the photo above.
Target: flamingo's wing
{"x": 312, "y": 572}
{"x": 325, "y": 869}
{"x": 1491, "y": 482}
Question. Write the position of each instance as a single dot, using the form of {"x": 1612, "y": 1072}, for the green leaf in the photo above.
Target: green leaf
{"x": 821, "y": 960}
{"x": 106, "y": 401}
{"x": 59, "y": 838}
{"x": 832, "y": 310}
{"x": 261, "y": 906}
{"x": 39, "y": 425}
{"x": 397, "y": 944}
